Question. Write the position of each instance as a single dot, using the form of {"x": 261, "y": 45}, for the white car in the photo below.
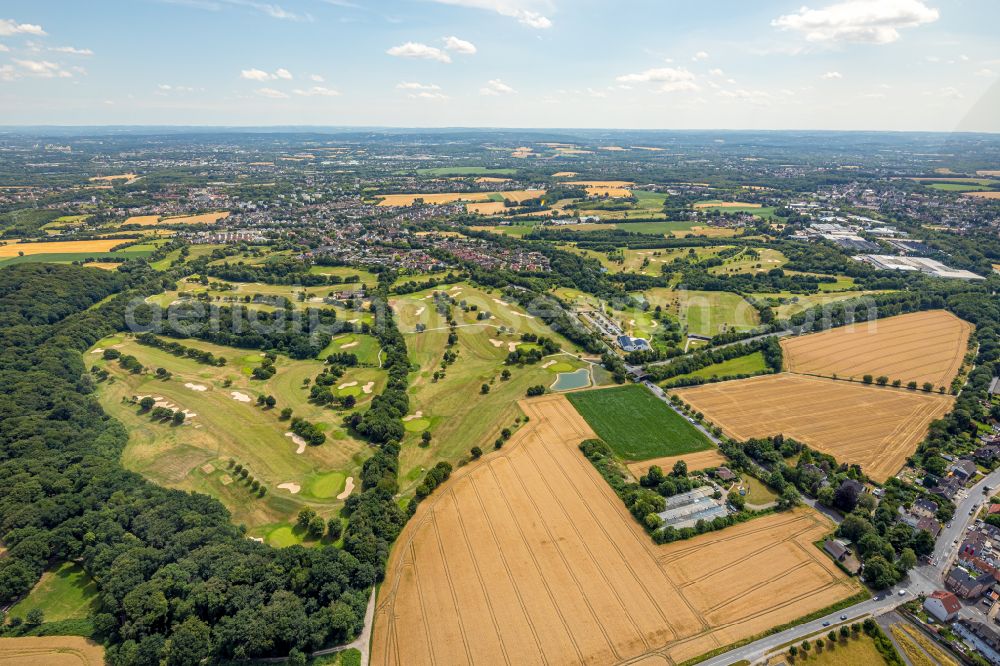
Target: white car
{"x": 902, "y": 593}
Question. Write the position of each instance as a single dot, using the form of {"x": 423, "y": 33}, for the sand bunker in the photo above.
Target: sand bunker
{"x": 548, "y": 364}
{"x": 299, "y": 441}
{"x": 348, "y": 488}
{"x": 367, "y": 388}
{"x": 347, "y": 385}
{"x": 420, "y": 311}
{"x": 496, "y": 343}
{"x": 521, "y": 314}
{"x": 511, "y": 346}
{"x": 225, "y": 479}
{"x": 240, "y": 397}
{"x": 497, "y": 300}
{"x": 99, "y": 350}
{"x": 293, "y": 488}
{"x": 349, "y": 345}
{"x": 208, "y": 468}
{"x": 196, "y": 387}
{"x": 415, "y": 415}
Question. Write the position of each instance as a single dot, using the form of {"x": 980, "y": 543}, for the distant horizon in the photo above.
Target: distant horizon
{"x": 838, "y": 65}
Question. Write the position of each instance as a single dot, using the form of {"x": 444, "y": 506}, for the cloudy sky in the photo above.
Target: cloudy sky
{"x": 771, "y": 64}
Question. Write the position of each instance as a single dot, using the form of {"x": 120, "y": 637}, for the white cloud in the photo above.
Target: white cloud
{"x": 872, "y": 21}
{"x": 42, "y": 69}
{"x": 72, "y": 50}
{"x": 524, "y": 11}
{"x": 418, "y": 50}
{"x": 716, "y": 72}
{"x": 832, "y": 75}
{"x": 700, "y": 55}
{"x": 254, "y": 74}
{"x": 950, "y": 93}
{"x": 271, "y": 93}
{"x": 164, "y": 89}
{"x": 7, "y": 73}
{"x": 4, "y": 49}
{"x": 496, "y": 87}
{"x": 459, "y": 45}
{"x": 670, "y": 79}
{"x": 10, "y": 27}
{"x": 317, "y": 78}
{"x": 272, "y": 10}
{"x": 316, "y": 91}
{"x": 423, "y": 94}
{"x": 413, "y": 85}
{"x": 987, "y": 72}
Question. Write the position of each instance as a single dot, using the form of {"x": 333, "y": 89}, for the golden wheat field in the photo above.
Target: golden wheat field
{"x": 875, "y": 427}
{"x": 695, "y": 461}
{"x": 486, "y": 208}
{"x": 57, "y": 247}
{"x": 152, "y": 220}
{"x": 42, "y": 651}
{"x": 922, "y": 347}
{"x": 982, "y": 195}
{"x": 528, "y": 557}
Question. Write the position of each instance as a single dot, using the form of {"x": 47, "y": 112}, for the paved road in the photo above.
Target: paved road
{"x": 779, "y": 334}
{"x": 922, "y": 580}
{"x": 661, "y": 394}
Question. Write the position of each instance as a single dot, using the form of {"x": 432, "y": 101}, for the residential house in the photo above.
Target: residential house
{"x": 965, "y": 584}
{"x": 924, "y": 508}
{"x": 840, "y": 552}
{"x": 964, "y": 470}
{"x": 982, "y": 637}
{"x": 943, "y": 605}
{"x": 929, "y": 524}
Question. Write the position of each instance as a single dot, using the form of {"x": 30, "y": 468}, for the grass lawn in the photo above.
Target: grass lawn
{"x": 452, "y": 408}
{"x": 70, "y": 257}
{"x": 365, "y": 347}
{"x": 959, "y": 187}
{"x": 855, "y": 651}
{"x": 741, "y": 365}
{"x": 743, "y": 263}
{"x": 517, "y": 229}
{"x": 664, "y": 228}
{"x": 195, "y": 456}
{"x": 755, "y": 492}
{"x": 63, "y": 593}
{"x": 344, "y": 272}
{"x": 636, "y": 424}
{"x": 705, "y": 312}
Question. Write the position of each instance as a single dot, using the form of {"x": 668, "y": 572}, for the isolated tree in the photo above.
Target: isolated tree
{"x": 147, "y": 403}
{"x": 35, "y": 617}
{"x": 286, "y": 413}
{"x": 845, "y": 632}
{"x": 505, "y": 375}
{"x": 334, "y": 528}
{"x": 484, "y": 389}
{"x": 305, "y": 517}
{"x": 680, "y": 468}
{"x": 270, "y": 401}
{"x": 178, "y": 417}
{"x": 476, "y": 452}
{"x": 867, "y": 379}
{"x": 912, "y": 386}
{"x": 882, "y": 380}
{"x": 806, "y": 645}
{"x": 316, "y": 527}
{"x": 425, "y": 437}
{"x": 927, "y": 386}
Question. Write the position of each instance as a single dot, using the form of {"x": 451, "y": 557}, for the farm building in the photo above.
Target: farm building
{"x": 840, "y": 552}
{"x": 686, "y": 509}
{"x": 943, "y": 605}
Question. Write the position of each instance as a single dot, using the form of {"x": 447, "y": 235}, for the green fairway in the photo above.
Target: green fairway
{"x": 63, "y": 593}
{"x": 743, "y": 365}
{"x": 327, "y": 485}
{"x": 636, "y": 424}
{"x": 705, "y": 312}
{"x": 658, "y": 228}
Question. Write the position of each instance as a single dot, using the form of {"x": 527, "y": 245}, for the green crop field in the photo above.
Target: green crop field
{"x": 657, "y": 228}
{"x": 742, "y": 365}
{"x": 70, "y": 257}
{"x": 636, "y": 424}
{"x": 63, "y": 593}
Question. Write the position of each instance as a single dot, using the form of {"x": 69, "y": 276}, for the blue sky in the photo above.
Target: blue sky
{"x": 828, "y": 64}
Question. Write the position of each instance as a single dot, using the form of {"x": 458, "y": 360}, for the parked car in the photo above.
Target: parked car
{"x": 902, "y": 593}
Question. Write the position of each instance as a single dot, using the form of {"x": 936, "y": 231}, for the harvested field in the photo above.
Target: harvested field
{"x": 529, "y": 557}
{"x": 41, "y": 651}
{"x": 873, "y": 426}
{"x": 56, "y": 247}
{"x": 921, "y": 347}
{"x": 695, "y": 461}
{"x": 203, "y": 218}
{"x": 982, "y": 195}
{"x": 486, "y": 208}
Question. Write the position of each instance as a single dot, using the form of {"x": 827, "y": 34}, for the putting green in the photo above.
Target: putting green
{"x": 283, "y": 537}
{"x": 344, "y": 340}
{"x": 562, "y": 366}
{"x": 327, "y": 485}
{"x": 350, "y": 390}
{"x": 417, "y": 425}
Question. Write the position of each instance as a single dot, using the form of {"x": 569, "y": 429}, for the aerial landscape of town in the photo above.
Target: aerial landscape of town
{"x": 350, "y": 394}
